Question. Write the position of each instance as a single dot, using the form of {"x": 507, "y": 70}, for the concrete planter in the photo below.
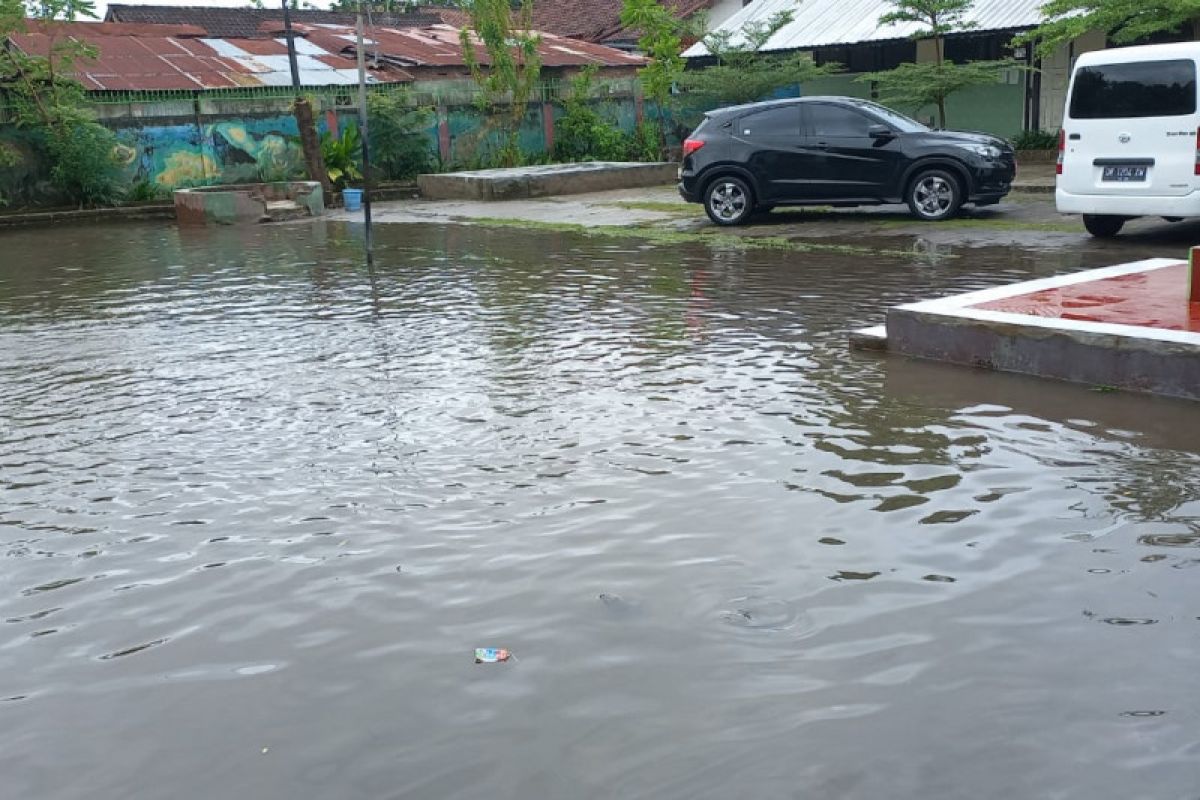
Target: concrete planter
{"x": 1037, "y": 156}
{"x": 545, "y": 180}
{"x": 248, "y": 203}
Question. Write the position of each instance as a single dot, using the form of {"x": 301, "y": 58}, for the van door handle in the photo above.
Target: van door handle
{"x": 1074, "y": 137}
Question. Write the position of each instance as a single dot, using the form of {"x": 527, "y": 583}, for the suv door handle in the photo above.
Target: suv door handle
{"x": 1074, "y": 137}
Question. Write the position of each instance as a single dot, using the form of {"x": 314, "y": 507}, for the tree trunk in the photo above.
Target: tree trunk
{"x": 942, "y": 113}
{"x": 314, "y": 162}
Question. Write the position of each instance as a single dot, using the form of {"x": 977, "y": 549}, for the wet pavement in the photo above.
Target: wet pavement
{"x": 260, "y": 504}
{"x": 1023, "y": 219}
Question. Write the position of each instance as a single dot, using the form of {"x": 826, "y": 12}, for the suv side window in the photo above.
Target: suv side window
{"x": 828, "y": 121}
{"x": 774, "y": 123}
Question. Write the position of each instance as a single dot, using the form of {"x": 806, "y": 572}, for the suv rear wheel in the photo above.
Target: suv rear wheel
{"x": 934, "y": 194}
{"x": 1103, "y": 226}
{"x": 728, "y": 201}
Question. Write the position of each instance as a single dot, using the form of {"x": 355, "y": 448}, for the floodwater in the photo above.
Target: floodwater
{"x": 258, "y": 505}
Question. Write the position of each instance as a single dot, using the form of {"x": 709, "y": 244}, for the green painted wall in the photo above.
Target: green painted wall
{"x": 998, "y": 108}
{"x": 837, "y": 85}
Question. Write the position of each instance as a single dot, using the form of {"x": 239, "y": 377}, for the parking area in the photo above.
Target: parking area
{"x": 1026, "y": 219}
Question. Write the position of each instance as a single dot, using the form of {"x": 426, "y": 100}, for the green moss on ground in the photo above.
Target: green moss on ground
{"x": 659, "y": 235}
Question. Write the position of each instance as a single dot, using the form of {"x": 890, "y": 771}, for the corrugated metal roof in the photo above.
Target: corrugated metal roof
{"x": 823, "y": 23}
{"x": 238, "y": 23}
{"x": 131, "y": 57}
{"x": 440, "y": 46}
{"x": 148, "y": 56}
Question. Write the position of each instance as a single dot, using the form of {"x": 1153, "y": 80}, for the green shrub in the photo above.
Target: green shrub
{"x": 9, "y": 158}
{"x": 399, "y": 146}
{"x": 143, "y": 191}
{"x": 582, "y": 133}
{"x": 646, "y": 142}
{"x": 1035, "y": 140}
{"x": 85, "y": 166}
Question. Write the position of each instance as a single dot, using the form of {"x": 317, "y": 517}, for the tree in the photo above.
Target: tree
{"x": 80, "y": 151}
{"x": 919, "y": 85}
{"x": 661, "y": 41}
{"x": 742, "y": 74}
{"x": 1124, "y": 21}
{"x": 513, "y": 66}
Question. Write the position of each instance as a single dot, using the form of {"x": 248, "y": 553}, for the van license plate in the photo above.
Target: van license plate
{"x": 1124, "y": 174}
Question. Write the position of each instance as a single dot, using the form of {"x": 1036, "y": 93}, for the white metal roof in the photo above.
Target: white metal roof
{"x": 821, "y": 23}
{"x": 274, "y": 70}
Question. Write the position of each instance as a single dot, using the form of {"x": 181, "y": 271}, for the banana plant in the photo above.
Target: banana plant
{"x": 342, "y": 155}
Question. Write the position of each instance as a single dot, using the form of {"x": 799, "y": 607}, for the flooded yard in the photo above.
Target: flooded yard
{"x": 259, "y": 504}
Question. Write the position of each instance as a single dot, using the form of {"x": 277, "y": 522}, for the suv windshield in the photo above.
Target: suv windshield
{"x": 893, "y": 118}
{"x": 1136, "y": 89}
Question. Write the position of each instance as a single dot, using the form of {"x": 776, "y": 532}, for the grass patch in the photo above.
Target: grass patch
{"x": 664, "y": 236}
{"x": 654, "y": 205}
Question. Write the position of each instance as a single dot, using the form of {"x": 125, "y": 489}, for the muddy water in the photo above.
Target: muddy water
{"x": 258, "y": 505}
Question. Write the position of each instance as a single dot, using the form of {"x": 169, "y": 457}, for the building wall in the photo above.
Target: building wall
{"x": 996, "y": 109}
{"x": 201, "y": 140}
{"x": 1056, "y": 77}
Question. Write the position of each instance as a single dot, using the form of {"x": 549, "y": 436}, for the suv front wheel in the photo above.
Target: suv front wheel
{"x": 728, "y": 201}
{"x": 934, "y": 195}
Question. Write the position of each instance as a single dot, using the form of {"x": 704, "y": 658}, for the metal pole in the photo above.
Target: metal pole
{"x": 364, "y": 135}
{"x": 291, "y": 47}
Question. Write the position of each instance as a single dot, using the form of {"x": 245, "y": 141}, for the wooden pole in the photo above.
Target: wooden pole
{"x": 306, "y": 126}
{"x": 365, "y": 136}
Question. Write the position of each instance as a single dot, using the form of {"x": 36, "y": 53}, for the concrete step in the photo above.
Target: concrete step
{"x": 279, "y": 210}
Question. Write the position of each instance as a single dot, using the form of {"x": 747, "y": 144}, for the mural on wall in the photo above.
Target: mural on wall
{"x": 232, "y": 151}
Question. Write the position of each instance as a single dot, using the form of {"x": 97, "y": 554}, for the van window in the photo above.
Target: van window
{"x": 1136, "y": 89}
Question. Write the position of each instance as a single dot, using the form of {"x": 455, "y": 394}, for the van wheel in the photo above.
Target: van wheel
{"x": 934, "y": 195}
{"x": 1103, "y": 226}
{"x": 728, "y": 201}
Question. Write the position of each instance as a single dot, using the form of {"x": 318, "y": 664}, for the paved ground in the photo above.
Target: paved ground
{"x": 1026, "y": 218}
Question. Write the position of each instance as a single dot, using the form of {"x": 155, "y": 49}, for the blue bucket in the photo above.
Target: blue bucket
{"x": 352, "y": 199}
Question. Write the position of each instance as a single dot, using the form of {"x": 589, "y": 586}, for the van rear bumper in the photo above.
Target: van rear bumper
{"x": 1186, "y": 205}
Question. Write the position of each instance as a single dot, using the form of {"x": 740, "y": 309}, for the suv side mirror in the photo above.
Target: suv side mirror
{"x": 880, "y": 132}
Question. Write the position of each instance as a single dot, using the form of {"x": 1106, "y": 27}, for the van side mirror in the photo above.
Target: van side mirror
{"x": 880, "y": 132}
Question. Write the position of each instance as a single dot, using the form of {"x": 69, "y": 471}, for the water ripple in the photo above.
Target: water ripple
{"x": 259, "y": 501}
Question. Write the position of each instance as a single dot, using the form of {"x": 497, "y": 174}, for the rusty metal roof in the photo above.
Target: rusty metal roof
{"x": 241, "y": 23}
{"x": 145, "y": 56}
{"x": 181, "y": 56}
{"x": 440, "y": 46}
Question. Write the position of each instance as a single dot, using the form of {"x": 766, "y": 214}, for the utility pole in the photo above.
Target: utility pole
{"x": 365, "y": 136}
{"x": 291, "y": 47}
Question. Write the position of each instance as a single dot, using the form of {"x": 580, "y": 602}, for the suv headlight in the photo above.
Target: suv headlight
{"x": 988, "y": 151}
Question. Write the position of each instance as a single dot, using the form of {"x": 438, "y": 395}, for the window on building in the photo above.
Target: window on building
{"x": 977, "y": 47}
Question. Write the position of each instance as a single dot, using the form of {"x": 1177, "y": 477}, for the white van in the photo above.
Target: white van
{"x": 1130, "y": 142}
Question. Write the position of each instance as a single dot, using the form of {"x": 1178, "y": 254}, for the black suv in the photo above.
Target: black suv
{"x": 837, "y": 151}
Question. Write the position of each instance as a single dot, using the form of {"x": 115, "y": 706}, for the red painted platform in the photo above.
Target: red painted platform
{"x": 1155, "y": 299}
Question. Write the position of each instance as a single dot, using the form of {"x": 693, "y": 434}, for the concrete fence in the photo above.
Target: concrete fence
{"x": 169, "y": 140}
